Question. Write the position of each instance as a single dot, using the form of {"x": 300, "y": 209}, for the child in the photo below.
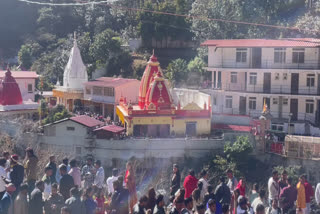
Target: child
{"x": 100, "y": 199}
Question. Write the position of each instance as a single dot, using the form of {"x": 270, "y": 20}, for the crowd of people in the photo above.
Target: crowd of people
{"x": 68, "y": 188}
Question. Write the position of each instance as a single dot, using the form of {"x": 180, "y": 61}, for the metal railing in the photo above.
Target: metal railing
{"x": 268, "y": 64}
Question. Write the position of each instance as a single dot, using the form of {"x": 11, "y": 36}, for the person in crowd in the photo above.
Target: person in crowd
{"x": 317, "y": 194}
{"x": 89, "y": 203}
{"x": 55, "y": 201}
{"x": 3, "y": 175}
{"x": 36, "y": 202}
{"x": 53, "y": 165}
{"x": 288, "y": 196}
{"x": 119, "y": 199}
{"x": 232, "y": 181}
{"x": 309, "y": 194}
{"x": 130, "y": 182}
{"x": 225, "y": 209}
{"x": 234, "y": 201}
{"x": 204, "y": 181}
{"x": 75, "y": 173}
{"x": 7, "y": 202}
{"x": 222, "y": 193}
{"x": 260, "y": 209}
{"x": 99, "y": 177}
{"x": 159, "y": 208}
{"x": 175, "y": 180}
{"x": 151, "y": 199}
{"x": 47, "y": 179}
{"x": 260, "y": 200}
{"x": 17, "y": 173}
{"x": 273, "y": 187}
{"x": 74, "y": 203}
{"x": 209, "y": 195}
{"x": 254, "y": 193}
{"x": 20, "y": 205}
{"x": 178, "y": 204}
{"x": 100, "y": 199}
{"x": 242, "y": 187}
{"x": 111, "y": 179}
{"x": 88, "y": 172}
{"x": 196, "y": 195}
{"x": 190, "y": 183}
{"x": 188, "y": 203}
{"x": 274, "y": 209}
{"x": 201, "y": 209}
{"x": 65, "y": 161}
{"x": 211, "y": 207}
{"x": 66, "y": 210}
{"x": 31, "y": 165}
{"x": 243, "y": 206}
{"x": 66, "y": 182}
{"x": 141, "y": 206}
{"x": 301, "y": 196}
{"x": 283, "y": 182}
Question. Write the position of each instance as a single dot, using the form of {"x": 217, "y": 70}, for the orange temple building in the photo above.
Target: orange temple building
{"x": 158, "y": 114}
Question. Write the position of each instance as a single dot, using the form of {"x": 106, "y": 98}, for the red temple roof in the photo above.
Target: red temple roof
{"x": 10, "y": 92}
{"x": 111, "y": 128}
{"x": 87, "y": 121}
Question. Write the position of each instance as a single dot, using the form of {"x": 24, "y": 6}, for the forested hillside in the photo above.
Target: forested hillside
{"x": 42, "y": 35}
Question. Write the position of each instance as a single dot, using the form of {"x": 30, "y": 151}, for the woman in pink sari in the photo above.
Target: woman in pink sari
{"x": 130, "y": 181}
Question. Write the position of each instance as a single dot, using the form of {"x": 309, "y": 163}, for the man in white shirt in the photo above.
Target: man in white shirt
{"x": 111, "y": 179}
{"x": 317, "y": 194}
{"x": 205, "y": 184}
{"x": 3, "y": 175}
{"x": 99, "y": 178}
{"x": 232, "y": 182}
{"x": 273, "y": 187}
{"x": 260, "y": 200}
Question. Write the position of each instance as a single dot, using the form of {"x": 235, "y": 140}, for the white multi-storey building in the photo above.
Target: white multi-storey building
{"x": 284, "y": 73}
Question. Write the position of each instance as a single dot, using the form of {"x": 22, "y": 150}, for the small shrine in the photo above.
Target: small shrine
{"x": 11, "y": 102}
{"x": 74, "y": 76}
{"x": 157, "y": 115}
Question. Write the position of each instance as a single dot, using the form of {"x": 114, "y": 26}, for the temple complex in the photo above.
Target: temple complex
{"x": 74, "y": 76}
{"x": 11, "y": 101}
{"x": 158, "y": 114}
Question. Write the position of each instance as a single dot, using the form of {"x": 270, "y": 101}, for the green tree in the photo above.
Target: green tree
{"x": 25, "y": 56}
{"x": 177, "y": 71}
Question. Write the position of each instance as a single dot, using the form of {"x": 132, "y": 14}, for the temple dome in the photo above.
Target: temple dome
{"x": 10, "y": 92}
{"x": 150, "y": 72}
{"x": 75, "y": 73}
{"x": 158, "y": 95}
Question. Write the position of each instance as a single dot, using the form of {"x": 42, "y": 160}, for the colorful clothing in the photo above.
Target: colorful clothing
{"x": 130, "y": 181}
{"x": 189, "y": 184}
{"x": 241, "y": 189}
{"x": 76, "y": 175}
{"x": 301, "y": 198}
{"x": 100, "y": 205}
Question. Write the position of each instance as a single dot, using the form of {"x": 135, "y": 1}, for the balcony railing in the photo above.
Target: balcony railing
{"x": 268, "y": 64}
{"x": 257, "y": 113}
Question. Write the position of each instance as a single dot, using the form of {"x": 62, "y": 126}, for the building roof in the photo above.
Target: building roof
{"x": 87, "y": 121}
{"x": 10, "y": 93}
{"x": 21, "y": 74}
{"x": 111, "y": 128}
{"x": 294, "y": 42}
{"x": 110, "y": 82}
{"x": 232, "y": 127}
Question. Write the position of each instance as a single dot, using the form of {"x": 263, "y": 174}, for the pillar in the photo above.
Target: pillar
{"x": 103, "y": 110}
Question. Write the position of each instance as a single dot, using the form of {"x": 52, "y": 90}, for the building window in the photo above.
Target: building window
{"x": 310, "y": 80}
{"x": 285, "y": 76}
{"x": 285, "y": 101}
{"x": 275, "y": 101}
{"x": 309, "y": 106}
{"x": 277, "y": 127}
{"x": 241, "y": 55}
{"x": 109, "y": 92}
{"x": 97, "y": 90}
{"x": 70, "y": 128}
{"x": 277, "y": 76}
{"x": 252, "y": 103}
{"x": 228, "y": 101}
{"x": 30, "y": 88}
{"x": 88, "y": 90}
{"x": 233, "y": 77}
{"x": 279, "y": 55}
{"x": 298, "y": 55}
{"x": 253, "y": 79}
